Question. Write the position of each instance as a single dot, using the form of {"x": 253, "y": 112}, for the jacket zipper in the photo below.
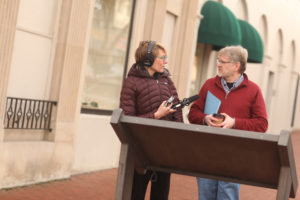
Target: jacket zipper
{"x": 159, "y": 89}
{"x": 226, "y": 95}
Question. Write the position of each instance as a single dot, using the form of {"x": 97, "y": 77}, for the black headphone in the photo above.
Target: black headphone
{"x": 149, "y": 58}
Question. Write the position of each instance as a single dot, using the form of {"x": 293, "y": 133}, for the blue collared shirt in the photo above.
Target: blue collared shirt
{"x": 235, "y": 84}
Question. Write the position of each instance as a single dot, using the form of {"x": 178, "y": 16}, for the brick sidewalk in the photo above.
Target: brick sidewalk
{"x": 101, "y": 186}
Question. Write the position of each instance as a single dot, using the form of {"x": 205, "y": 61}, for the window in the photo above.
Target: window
{"x": 31, "y": 67}
{"x": 270, "y": 91}
{"x": 107, "y": 55}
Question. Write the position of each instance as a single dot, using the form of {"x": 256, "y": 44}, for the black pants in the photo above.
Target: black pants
{"x": 159, "y": 188}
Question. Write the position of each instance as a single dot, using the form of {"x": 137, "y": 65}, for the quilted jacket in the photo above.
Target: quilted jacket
{"x": 142, "y": 94}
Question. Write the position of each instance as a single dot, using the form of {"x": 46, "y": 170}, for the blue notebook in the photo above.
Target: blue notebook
{"x": 212, "y": 103}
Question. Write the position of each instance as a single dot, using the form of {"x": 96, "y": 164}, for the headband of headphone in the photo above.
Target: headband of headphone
{"x": 149, "y": 58}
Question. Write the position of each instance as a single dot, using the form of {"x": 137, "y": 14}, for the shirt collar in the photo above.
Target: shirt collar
{"x": 235, "y": 84}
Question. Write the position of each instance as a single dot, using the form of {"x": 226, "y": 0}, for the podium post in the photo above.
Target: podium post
{"x": 125, "y": 173}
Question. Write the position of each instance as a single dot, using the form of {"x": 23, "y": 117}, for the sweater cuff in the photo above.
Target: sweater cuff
{"x": 234, "y": 123}
{"x": 203, "y": 121}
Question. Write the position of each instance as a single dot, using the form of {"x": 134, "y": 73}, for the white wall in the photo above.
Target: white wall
{"x": 97, "y": 146}
{"x": 24, "y": 162}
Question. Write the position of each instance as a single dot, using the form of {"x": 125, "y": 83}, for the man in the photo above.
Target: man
{"x": 242, "y": 106}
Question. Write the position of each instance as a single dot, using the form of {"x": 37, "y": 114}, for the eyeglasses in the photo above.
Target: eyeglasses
{"x": 164, "y": 58}
{"x": 222, "y": 62}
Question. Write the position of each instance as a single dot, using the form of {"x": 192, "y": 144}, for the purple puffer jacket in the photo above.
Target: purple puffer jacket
{"x": 142, "y": 94}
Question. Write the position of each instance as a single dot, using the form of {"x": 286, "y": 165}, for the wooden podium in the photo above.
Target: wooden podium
{"x": 244, "y": 157}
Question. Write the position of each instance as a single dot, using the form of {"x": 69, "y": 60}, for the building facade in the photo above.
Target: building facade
{"x": 63, "y": 63}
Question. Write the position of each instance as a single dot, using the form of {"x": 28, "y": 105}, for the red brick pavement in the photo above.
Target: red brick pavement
{"x": 101, "y": 186}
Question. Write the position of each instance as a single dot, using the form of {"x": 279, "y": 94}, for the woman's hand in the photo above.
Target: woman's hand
{"x": 163, "y": 110}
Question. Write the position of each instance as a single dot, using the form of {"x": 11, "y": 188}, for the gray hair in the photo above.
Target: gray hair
{"x": 236, "y": 54}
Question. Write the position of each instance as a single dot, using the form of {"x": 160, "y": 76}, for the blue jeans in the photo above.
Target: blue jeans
{"x": 217, "y": 190}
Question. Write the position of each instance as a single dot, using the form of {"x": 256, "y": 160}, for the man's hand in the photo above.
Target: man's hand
{"x": 210, "y": 120}
{"x": 228, "y": 121}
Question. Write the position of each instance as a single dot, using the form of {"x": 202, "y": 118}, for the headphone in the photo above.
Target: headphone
{"x": 149, "y": 58}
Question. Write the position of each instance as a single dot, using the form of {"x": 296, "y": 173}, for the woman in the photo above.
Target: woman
{"x": 144, "y": 94}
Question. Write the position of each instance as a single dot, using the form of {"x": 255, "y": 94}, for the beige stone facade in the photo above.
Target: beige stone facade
{"x": 44, "y": 50}
{"x": 61, "y": 35}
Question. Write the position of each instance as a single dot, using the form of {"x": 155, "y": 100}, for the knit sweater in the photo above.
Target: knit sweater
{"x": 244, "y": 103}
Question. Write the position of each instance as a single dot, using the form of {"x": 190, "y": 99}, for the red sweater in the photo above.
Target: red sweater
{"x": 245, "y": 103}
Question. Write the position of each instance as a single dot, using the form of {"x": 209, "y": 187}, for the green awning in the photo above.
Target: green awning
{"x": 252, "y": 41}
{"x": 219, "y": 26}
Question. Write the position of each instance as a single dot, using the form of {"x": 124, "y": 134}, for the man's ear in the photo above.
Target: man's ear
{"x": 237, "y": 66}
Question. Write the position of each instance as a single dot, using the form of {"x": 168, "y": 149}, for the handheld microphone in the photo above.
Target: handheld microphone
{"x": 185, "y": 102}
{"x": 170, "y": 100}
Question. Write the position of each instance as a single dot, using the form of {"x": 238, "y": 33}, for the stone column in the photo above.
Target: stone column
{"x": 8, "y": 22}
{"x": 68, "y": 74}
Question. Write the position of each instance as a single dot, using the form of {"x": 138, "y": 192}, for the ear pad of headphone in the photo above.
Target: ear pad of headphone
{"x": 149, "y": 58}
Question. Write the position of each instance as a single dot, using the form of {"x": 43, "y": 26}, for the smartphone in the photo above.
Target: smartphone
{"x": 220, "y": 118}
{"x": 216, "y": 115}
